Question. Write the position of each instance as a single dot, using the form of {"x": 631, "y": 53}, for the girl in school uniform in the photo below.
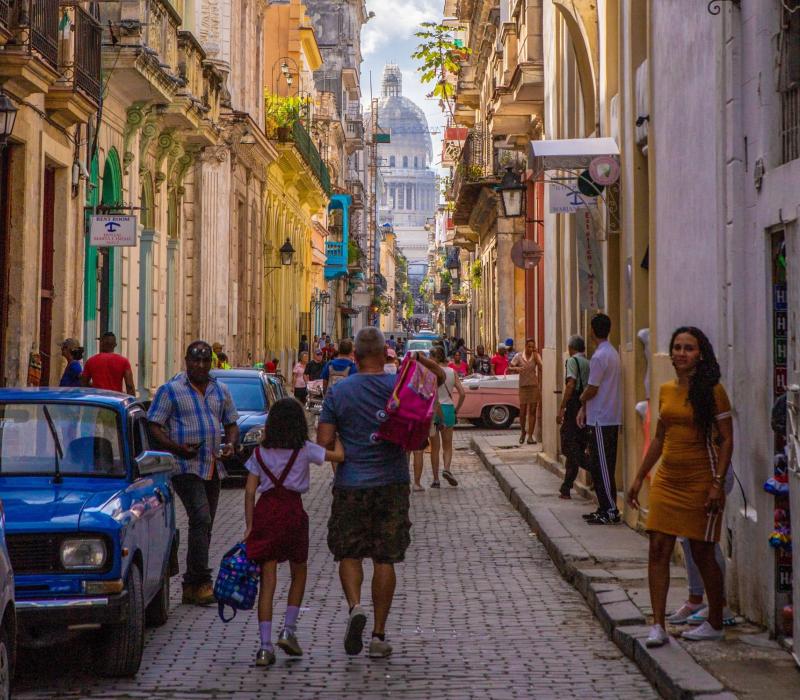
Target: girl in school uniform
{"x": 277, "y": 526}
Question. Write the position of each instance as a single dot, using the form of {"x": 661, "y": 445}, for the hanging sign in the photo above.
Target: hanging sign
{"x": 112, "y": 231}
{"x": 567, "y": 199}
{"x": 590, "y": 264}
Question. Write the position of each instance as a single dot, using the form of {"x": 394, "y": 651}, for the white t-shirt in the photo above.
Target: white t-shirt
{"x": 276, "y": 460}
{"x": 390, "y": 368}
{"x": 606, "y": 374}
{"x": 447, "y": 389}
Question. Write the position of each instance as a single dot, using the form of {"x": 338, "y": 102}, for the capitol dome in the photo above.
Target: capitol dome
{"x": 402, "y": 118}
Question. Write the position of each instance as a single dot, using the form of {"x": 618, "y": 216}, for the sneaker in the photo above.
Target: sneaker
{"x": 189, "y": 596}
{"x": 603, "y": 519}
{"x": 658, "y": 637}
{"x": 265, "y": 657}
{"x": 682, "y": 614}
{"x": 435, "y": 485}
{"x": 204, "y": 595}
{"x": 288, "y": 642}
{"x": 703, "y": 633}
{"x": 699, "y": 617}
{"x": 417, "y": 488}
{"x": 379, "y": 649}
{"x": 355, "y": 627}
{"x": 590, "y": 516}
{"x": 449, "y": 478}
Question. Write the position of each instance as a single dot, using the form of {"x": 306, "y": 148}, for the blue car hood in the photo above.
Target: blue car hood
{"x": 38, "y": 503}
{"x": 248, "y": 421}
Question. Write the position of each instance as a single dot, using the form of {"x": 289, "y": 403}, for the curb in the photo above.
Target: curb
{"x": 671, "y": 669}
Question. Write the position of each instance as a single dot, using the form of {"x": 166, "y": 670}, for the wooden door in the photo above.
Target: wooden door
{"x": 46, "y": 287}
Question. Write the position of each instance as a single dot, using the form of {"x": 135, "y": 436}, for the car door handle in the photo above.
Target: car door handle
{"x": 159, "y": 494}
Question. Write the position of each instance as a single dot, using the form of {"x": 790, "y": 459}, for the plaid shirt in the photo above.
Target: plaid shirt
{"x": 191, "y": 418}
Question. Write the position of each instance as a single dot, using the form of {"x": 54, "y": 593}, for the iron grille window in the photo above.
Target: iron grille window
{"x": 789, "y": 81}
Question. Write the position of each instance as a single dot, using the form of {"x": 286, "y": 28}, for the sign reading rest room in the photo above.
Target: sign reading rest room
{"x": 112, "y": 231}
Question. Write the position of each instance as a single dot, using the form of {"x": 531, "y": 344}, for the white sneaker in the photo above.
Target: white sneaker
{"x": 683, "y": 613}
{"x": 658, "y": 637}
{"x": 728, "y": 617}
{"x": 703, "y": 633}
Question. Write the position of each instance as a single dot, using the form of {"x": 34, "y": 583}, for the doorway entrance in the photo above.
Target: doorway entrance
{"x": 46, "y": 286}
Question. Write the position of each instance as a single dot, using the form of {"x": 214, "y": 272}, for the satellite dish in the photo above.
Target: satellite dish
{"x": 526, "y": 254}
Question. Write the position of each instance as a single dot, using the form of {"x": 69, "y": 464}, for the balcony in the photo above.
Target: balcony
{"x": 5, "y": 22}
{"x": 30, "y": 57}
{"x": 336, "y": 252}
{"x": 354, "y": 133}
{"x": 301, "y": 140}
{"x": 335, "y": 260}
{"x": 472, "y": 174}
{"x": 356, "y": 188}
{"x": 145, "y": 58}
{"x": 76, "y": 94}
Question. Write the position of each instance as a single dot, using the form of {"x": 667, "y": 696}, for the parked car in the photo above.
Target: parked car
{"x": 419, "y": 345}
{"x": 90, "y": 520}
{"x": 253, "y": 392}
{"x": 492, "y": 402}
{"x": 8, "y": 618}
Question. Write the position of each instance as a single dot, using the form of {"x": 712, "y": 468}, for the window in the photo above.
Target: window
{"x": 416, "y": 162}
{"x": 391, "y": 161}
{"x": 789, "y": 85}
{"x": 405, "y": 161}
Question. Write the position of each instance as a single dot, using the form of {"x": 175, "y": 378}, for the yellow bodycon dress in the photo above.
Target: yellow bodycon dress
{"x": 680, "y": 486}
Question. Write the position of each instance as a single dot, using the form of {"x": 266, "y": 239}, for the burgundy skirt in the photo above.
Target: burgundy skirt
{"x": 280, "y": 528}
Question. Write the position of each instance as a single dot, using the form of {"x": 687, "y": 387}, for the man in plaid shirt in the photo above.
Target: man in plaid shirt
{"x": 187, "y": 418}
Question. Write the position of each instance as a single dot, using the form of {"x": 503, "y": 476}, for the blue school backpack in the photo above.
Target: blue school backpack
{"x": 237, "y": 581}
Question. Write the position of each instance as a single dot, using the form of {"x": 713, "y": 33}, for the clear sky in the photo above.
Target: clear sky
{"x": 389, "y": 38}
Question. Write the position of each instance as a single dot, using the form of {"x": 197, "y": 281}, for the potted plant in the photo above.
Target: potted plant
{"x": 282, "y": 113}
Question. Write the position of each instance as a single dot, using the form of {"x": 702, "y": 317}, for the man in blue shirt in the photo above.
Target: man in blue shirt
{"x": 340, "y": 367}
{"x": 369, "y": 513}
{"x": 187, "y": 418}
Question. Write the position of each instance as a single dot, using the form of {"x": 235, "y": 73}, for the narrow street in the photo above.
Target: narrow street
{"x": 480, "y": 612}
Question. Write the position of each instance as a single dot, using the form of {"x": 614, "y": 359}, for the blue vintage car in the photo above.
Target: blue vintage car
{"x": 90, "y": 520}
{"x": 8, "y": 620}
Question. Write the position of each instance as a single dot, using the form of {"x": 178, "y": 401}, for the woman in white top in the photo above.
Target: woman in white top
{"x": 298, "y": 378}
{"x": 445, "y": 420}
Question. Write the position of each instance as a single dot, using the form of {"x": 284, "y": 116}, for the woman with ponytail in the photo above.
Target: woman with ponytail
{"x": 694, "y": 440}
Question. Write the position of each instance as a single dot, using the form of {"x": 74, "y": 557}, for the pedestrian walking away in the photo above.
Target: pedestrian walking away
{"x": 299, "y": 378}
{"x": 276, "y": 528}
{"x": 72, "y": 352}
{"x": 694, "y": 441}
{"x": 528, "y": 365}
{"x": 341, "y": 367}
{"x": 107, "y": 369}
{"x": 445, "y": 419}
{"x": 573, "y": 437}
{"x": 187, "y": 417}
{"x": 601, "y": 411}
{"x": 369, "y": 512}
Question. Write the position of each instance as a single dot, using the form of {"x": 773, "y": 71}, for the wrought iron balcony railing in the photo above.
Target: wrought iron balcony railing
{"x": 35, "y": 25}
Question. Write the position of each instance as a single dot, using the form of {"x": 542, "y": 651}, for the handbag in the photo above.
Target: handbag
{"x": 237, "y": 581}
{"x": 406, "y": 420}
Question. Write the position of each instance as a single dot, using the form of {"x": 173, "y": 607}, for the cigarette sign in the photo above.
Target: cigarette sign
{"x": 112, "y": 231}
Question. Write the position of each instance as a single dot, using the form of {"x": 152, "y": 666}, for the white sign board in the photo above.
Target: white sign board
{"x": 566, "y": 199}
{"x": 112, "y": 231}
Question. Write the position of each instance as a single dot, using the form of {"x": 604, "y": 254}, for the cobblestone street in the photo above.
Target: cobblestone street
{"x": 480, "y": 612}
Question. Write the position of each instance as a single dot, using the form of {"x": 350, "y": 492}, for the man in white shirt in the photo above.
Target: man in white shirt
{"x": 601, "y": 412}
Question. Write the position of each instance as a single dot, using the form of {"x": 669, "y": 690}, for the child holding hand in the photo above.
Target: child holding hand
{"x": 277, "y": 526}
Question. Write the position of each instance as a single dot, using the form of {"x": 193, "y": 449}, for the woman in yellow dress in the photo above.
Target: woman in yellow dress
{"x": 694, "y": 440}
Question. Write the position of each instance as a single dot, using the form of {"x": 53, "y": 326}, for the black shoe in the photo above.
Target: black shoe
{"x": 591, "y": 516}
{"x": 604, "y": 519}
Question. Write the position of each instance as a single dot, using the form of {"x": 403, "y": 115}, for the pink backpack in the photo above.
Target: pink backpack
{"x": 409, "y": 411}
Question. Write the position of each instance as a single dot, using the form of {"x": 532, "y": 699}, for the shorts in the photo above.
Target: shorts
{"x": 370, "y": 524}
{"x": 448, "y": 417}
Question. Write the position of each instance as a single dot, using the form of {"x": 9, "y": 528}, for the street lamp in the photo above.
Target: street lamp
{"x": 512, "y": 193}
{"x": 8, "y": 115}
{"x": 286, "y": 252}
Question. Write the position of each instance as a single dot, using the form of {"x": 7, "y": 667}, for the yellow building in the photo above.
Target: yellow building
{"x": 298, "y": 183}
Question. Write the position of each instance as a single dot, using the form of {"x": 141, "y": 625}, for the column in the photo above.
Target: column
{"x": 508, "y": 232}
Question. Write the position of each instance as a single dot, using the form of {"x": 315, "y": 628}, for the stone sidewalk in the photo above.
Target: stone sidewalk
{"x": 608, "y": 565}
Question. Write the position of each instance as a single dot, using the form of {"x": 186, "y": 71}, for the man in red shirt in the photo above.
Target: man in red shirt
{"x": 107, "y": 369}
{"x": 499, "y": 361}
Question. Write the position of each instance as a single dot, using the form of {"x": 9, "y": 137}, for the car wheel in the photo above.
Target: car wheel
{"x": 119, "y": 651}
{"x": 157, "y": 611}
{"x": 498, "y": 417}
{"x": 6, "y": 671}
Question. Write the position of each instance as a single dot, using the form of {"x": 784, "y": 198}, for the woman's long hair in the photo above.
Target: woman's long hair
{"x": 286, "y": 426}
{"x": 702, "y": 382}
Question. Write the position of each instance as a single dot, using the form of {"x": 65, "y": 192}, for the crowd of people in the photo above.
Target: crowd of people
{"x": 692, "y": 444}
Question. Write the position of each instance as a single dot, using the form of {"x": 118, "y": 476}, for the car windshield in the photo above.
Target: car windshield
{"x": 83, "y": 439}
{"x": 247, "y": 392}
{"x": 416, "y": 345}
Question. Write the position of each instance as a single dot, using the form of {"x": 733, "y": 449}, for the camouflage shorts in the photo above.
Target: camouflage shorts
{"x": 370, "y": 524}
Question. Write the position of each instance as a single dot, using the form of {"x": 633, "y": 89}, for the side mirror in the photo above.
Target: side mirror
{"x": 153, "y": 462}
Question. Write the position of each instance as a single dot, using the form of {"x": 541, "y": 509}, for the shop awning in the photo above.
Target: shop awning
{"x": 568, "y": 154}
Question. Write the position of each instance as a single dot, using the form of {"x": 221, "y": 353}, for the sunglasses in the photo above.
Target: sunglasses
{"x": 199, "y": 352}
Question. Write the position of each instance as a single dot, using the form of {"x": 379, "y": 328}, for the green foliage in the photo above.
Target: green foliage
{"x": 440, "y": 55}
{"x": 446, "y": 277}
{"x": 354, "y": 253}
{"x": 408, "y": 304}
{"x": 283, "y": 112}
{"x": 475, "y": 275}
